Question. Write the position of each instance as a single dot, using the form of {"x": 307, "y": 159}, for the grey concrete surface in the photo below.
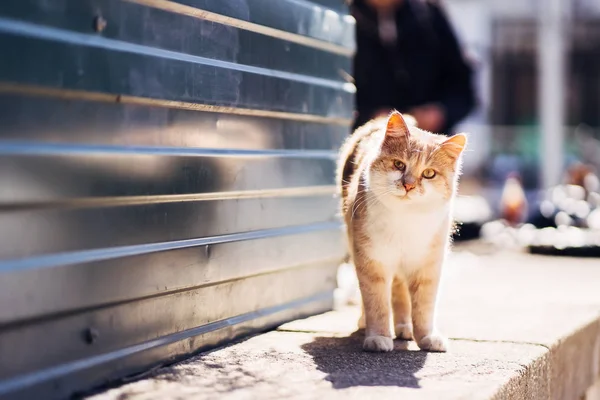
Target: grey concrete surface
{"x": 522, "y": 327}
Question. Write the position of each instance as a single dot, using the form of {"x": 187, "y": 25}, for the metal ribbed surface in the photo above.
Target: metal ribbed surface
{"x": 167, "y": 182}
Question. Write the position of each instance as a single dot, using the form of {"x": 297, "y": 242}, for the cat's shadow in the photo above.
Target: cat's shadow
{"x": 346, "y": 365}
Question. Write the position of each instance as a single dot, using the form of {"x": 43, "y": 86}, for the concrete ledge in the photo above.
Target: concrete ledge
{"x": 522, "y": 327}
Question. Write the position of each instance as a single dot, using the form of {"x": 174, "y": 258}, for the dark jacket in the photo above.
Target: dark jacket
{"x": 424, "y": 65}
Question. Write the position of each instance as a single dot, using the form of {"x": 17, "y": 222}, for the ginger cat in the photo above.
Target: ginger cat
{"x": 398, "y": 184}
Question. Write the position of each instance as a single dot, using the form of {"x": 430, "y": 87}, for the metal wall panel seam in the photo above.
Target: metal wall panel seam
{"x": 71, "y": 94}
{"x": 76, "y": 257}
{"x": 189, "y": 35}
{"x": 183, "y": 9}
{"x": 49, "y": 149}
{"x": 27, "y": 29}
{"x": 28, "y": 320}
{"x": 28, "y": 380}
{"x": 117, "y": 201}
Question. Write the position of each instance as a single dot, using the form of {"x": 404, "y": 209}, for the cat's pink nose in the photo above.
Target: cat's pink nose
{"x": 408, "y": 186}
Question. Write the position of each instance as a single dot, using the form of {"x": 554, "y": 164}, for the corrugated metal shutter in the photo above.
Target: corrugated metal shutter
{"x": 166, "y": 179}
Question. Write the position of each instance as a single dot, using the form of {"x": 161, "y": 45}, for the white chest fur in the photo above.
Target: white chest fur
{"x": 401, "y": 239}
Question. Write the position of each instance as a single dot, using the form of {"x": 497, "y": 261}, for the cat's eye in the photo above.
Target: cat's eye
{"x": 428, "y": 173}
{"x": 399, "y": 164}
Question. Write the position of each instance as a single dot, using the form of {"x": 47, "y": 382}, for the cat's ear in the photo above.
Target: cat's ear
{"x": 455, "y": 145}
{"x": 396, "y": 126}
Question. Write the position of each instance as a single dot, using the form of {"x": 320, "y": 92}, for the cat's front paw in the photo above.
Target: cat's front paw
{"x": 378, "y": 344}
{"x": 434, "y": 342}
{"x": 404, "y": 331}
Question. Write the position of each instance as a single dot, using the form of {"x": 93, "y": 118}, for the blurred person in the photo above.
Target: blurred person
{"x": 408, "y": 59}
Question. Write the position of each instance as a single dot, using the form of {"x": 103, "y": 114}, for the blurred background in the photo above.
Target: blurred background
{"x": 524, "y": 51}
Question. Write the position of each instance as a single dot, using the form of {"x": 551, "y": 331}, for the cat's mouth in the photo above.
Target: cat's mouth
{"x": 404, "y": 195}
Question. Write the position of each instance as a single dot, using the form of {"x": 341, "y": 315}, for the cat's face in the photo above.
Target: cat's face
{"x": 417, "y": 166}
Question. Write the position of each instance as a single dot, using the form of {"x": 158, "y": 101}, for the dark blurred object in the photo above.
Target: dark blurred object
{"x": 566, "y": 222}
{"x": 584, "y": 251}
{"x": 570, "y": 216}
{"x": 464, "y": 231}
{"x": 408, "y": 58}
{"x": 566, "y": 241}
{"x": 470, "y": 213}
{"x": 513, "y": 204}
{"x": 575, "y": 203}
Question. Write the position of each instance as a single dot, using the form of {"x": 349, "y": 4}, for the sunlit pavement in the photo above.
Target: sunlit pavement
{"x": 522, "y": 326}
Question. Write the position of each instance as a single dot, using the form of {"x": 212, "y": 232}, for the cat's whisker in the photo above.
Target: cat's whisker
{"x": 368, "y": 201}
{"x": 357, "y": 204}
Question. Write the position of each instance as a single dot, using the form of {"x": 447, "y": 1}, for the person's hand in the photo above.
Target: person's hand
{"x": 385, "y": 6}
{"x": 430, "y": 117}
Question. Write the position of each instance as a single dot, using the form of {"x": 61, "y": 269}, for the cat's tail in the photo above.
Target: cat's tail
{"x": 348, "y": 160}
